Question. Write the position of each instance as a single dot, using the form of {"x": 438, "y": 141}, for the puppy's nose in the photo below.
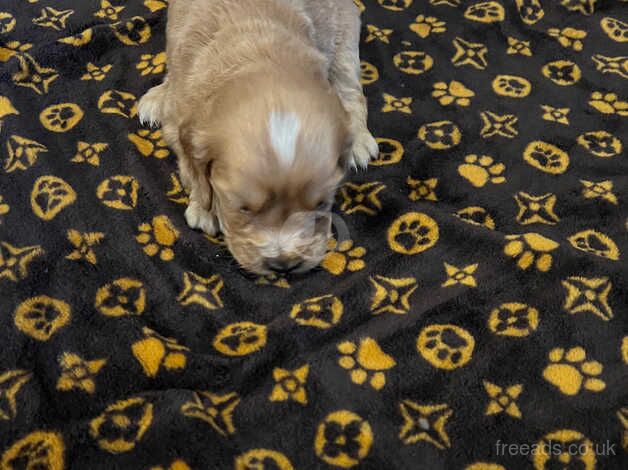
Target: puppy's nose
{"x": 283, "y": 265}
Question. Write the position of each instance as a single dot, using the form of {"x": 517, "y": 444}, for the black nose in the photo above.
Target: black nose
{"x": 283, "y": 265}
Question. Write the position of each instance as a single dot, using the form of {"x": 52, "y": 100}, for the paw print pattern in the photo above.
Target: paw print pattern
{"x": 571, "y": 372}
{"x": 453, "y": 92}
{"x": 490, "y": 223}
{"x": 413, "y": 233}
{"x": 481, "y": 170}
{"x": 343, "y": 257}
{"x": 158, "y": 237}
{"x": 424, "y": 26}
{"x": 366, "y": 362}
{"x": 150, "y": 143}
{"x": 608, "y": 103}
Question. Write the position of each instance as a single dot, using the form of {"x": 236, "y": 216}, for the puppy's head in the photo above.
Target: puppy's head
{"x": 279, "y": 146}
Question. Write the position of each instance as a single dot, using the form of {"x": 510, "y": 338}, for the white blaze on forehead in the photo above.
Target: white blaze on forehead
{"x": 284, "y": 131}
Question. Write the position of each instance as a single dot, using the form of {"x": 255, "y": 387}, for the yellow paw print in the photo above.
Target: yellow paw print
{"x": 343, "y": 257}
{"x": 366, "y": 362}
{"x": 529, "y": 249}
{"x": 570, "y": 372}
{"x": 154, "y": 351}
{"x": 485, "y": 12}
{"x": 569, "y": 37}
{"x": 426, "y": 25}
{"x": 150, "y": 144}
{"x": 152, "y": 63}
{"x": 453, "y": 92}
{"x": 607, "y": 103}
{"x": 479, "y": 171}
{"x": 158, "y": 237}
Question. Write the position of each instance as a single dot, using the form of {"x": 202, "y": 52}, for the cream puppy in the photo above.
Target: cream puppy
{"x": 263, "y": 106}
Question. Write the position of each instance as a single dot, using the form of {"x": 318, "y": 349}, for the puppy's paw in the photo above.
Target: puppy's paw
{"x": 199, "y": 218}
{"x": 149, "y": 106}
{"x": 364, "y": 149}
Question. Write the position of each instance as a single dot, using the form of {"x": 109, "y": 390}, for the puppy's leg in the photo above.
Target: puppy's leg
{"x": 200, "y": 213}
{"x": 345, "y": 78}
{"x": 150, "y": 106}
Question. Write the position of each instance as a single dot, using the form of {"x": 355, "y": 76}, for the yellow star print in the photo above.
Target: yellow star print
{"x": 424, "y": 423}
{"x": 14, "y": 260}
{"x": 34, "y": 76}
{"x": 78, "y": 373}
{"x": 375, "y": 33}
{"x": 495, "y": 124}
{"x": 503, "y": 400}
{"x": 83, "y": 243}
{"x": 51, "y": 18}
{"x": 361, "y": 198}
{"x": 536, "y": 209}
{"x": 290, "y": 385}
{"x": 22, "y": 152}
{"x": 469, "y": 53}
{"x": 586, "y": 295}
{"x": 202, "y": 291}
{"x": 401, "y": 105}
{"x": 215, "y": 410}
{"x": 392, "y": 295}
{"x": 462, "y": 276}
{"x": 601, "y": 189}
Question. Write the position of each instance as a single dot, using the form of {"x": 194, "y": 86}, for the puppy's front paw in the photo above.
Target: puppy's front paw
{"x": 199, "y": 218}
{"x": 364, "y": 149}
{"x": 149, "y": 106}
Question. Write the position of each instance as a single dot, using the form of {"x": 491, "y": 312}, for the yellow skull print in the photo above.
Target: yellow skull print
{"x": 390, "y": 152}
{"x": 513, "y": 319}
{"x": 445, "y": 346}
{"x": 413, "y": 233}
{"x": 240, "y": 339}
{"x": 564, "y": 448}
{"x": 413, "y": 62}
{"x": 122, "y": 297}
{"x": 132, "y": 32}
{"x": 368, "y": 73}
{"x": 262, "y": 459}
{"x": 343, "y": 439}
{"x": 122, "y": 425}
{"x": 319, "y": 312}
{"x": 441, "y": 135}
{"x": 395, "y": 5}
{"x": 118, "y": 102}
{"x": 118, "y": 192}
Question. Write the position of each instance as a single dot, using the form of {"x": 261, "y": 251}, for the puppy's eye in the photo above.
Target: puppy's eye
{"x": 246, "y": 210}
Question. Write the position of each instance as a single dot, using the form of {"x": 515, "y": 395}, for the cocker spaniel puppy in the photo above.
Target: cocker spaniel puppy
{"x": 263, "y": 106}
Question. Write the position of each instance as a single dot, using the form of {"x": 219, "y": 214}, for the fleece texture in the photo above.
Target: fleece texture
{"x": 472, "y": 313}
